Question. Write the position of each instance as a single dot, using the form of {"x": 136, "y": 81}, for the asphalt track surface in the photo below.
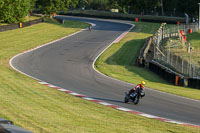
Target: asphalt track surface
{"x": 68, "y": 64}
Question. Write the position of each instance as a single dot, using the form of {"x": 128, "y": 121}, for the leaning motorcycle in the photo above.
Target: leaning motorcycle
{"x": 135, "y": 96}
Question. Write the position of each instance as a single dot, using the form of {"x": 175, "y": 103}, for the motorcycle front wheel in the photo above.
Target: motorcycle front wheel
{"x": 136, "y": 100}
{"x": 126, "y": 98}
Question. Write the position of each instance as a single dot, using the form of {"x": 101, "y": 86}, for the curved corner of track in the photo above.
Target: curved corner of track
{"x": 63, "y": 87}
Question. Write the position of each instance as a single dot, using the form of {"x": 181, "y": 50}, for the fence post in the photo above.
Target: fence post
{"x": 182, "y": 64}
{"x": 190, "y": 64}
{"x": 176, "y": 82}
{"x": 193, "y": 70}
{"x": 188, "y": 67}
{"x": 154, "y": 51}
{"x": 176, "y": 60}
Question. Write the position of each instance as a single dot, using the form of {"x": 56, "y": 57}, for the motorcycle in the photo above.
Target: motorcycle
{"x": 135, "y": 96}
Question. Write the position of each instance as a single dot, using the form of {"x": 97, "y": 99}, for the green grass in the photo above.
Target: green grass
{"x": 41, "y": 109}
{"x": 2, "y": 24}
{"x": 176, "y": 47}
{"x": 118, "y": 62}
{"x": 26, "y": 19}
{"x": 194, "y": 39}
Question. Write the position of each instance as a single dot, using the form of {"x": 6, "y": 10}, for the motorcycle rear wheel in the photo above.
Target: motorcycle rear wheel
{"x": 126, "y": 99}
{"x": 136, "y": 100}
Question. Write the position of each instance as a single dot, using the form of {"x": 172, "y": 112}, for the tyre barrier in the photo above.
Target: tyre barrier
{"x": 194, "y": 83}
{"x": 173, "y": 77}
{"x": 167, "y": 74}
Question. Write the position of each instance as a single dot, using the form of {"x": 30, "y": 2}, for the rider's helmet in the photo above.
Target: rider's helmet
{"x": 143, "y": 83}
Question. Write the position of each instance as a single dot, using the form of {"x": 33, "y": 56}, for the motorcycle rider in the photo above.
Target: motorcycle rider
{"x": 137, "y": 88}
{"x": 90, "y": 27}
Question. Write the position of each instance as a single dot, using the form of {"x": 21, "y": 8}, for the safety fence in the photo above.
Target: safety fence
{"x": 20, "y": 25}
{"x": 181, "y": 65}
{"x": 170, "y": 66}
{"x": 177, "y": 63}
{"x": 175, "y": 31}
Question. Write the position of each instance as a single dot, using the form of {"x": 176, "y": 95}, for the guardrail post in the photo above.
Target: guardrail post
{"x": 20, "y": 25}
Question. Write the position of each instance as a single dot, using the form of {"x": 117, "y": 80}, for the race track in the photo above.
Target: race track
{"x": 68, "y": 64}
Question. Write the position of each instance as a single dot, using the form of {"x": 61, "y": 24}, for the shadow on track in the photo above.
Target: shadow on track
{"x": 108, "y": 100}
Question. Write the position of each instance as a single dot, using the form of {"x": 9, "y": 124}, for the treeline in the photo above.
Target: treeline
{"x": 15, "y": 10}
{"x": 12, "y": 11}
{"x": 148, "y": 7}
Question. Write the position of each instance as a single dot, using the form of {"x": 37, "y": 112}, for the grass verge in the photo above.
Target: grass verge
{"x": 118, "y": 62}
{"x": 41, "y": 109}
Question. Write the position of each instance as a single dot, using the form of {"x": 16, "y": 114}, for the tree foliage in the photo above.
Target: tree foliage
{"x": 14, "y": 10}
{"x": 170, "y": 7}
{"x": 53, "y": 6}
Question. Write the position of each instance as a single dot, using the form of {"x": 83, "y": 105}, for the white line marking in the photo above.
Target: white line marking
{"x": 88, "y": 98}
{"x": 148, "y": 115}
{"x": 124, "y": 109}
{"x": 43, "y": 83}
{"x": 62, "y": 90}
{"x": 73, "y": 93}
{"x": 93, "y": 64}
{"x": 52, "y": 86}
{"x": 106, "y": 104}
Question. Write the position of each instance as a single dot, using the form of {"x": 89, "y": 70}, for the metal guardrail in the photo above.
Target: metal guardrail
{"x": 20, "y": 25}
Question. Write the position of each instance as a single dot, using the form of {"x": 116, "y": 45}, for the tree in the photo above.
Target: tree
{"x": 14, "y": 10}
{"x": 54, "y": 6}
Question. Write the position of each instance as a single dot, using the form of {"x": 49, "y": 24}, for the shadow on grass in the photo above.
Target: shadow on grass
{"x": 127, "y": 55}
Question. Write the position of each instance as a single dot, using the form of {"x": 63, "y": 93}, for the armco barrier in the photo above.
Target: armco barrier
{"x": 16, "y": 26}
{"x": 29, "y": 23}
{"x": 8, "y": 27}
{"x": 142, "y": 57}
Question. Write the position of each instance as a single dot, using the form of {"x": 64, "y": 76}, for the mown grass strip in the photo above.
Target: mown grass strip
{"x": 119, "y": 62}
{"x": 41, "y": 109}
{"x": 194, "y": 39}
